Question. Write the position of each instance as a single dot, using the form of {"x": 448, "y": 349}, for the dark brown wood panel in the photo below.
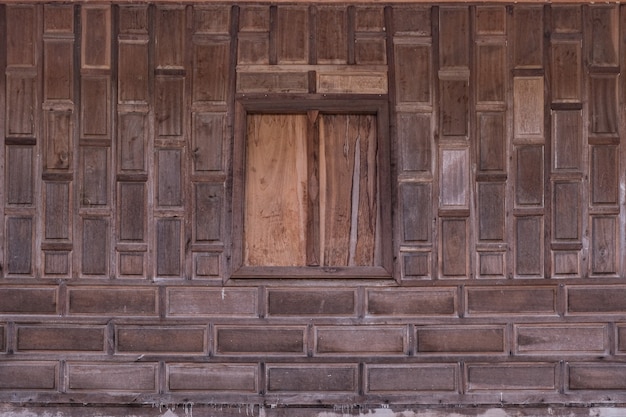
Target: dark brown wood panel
{"x": 332, "y": 35}
{"x": 454, "y": 37}
{"x": 170, "y": 37}
{"x": 527, "y": 37}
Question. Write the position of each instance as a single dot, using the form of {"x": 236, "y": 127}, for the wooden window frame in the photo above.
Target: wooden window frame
{"x": 299, "y": 104}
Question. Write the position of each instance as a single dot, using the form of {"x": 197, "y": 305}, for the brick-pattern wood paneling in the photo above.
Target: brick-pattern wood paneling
{"x": 500, "y": 229}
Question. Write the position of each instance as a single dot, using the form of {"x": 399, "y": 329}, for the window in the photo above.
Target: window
{"x": 312, "y": 190}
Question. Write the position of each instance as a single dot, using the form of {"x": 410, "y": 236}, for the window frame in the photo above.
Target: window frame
{"x": 298, "y": 104}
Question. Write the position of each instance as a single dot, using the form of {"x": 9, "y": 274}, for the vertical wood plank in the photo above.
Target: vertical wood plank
{"x": 19, "y": 245}
{"x": 292, "y": 35}
{"x": 603, "y": 104}
{"x": 416, "y": 212}
{"x": 133, "y": 74}
{"x": 413, "y": 73}
{"x": 527, "y": 37}
{"x": 415, "y": 137}
{"x": 454, "y": 188}
{"x": 95, "y": 105}
{"x": 529, "y": 246}
{"x": 95, "y": 173}
{"x": 604, "y": 248}
{"x": 332, "y": 35}
{"x": 169, "y": 177}
{"x": 207, "y": 209}
{"x": 210, "y": 71}
{"x": 567, "y": 137}
{"x": 491, "y": 210}
{"x": 604, "y": 36}
{"x": 604, "y": 175}
{"x": 566, "y": 71}
{"x": 530, "y": 176}
{"x": 491, "y": 142}
{"x": 169, "y": 106}
{"x": 169, "y": 37}
{"x": 57, "y": 210}
{"x": 21, "y": 23}
{"x": 132, "y": 142}
{"x": 132, "y": 211}
{"x": 454, "y": 37}
{"x": 454, "y": 110}
{"x": 208, "y": 141}
{"x": 96, "y": 36}
{"x": 20, "y": 181}
{"x": 58, "y": 69}
{"x": 95, "y": 246}
{"x": 454, "y": 249}
{"x": 491, "y": 72}
{"x": 566, "y": 218}
{"x": 528, "y": 106}
{"x": 59, "y": 133}
{"x": 21, "y": 115}
{"x": 168, "y": 247}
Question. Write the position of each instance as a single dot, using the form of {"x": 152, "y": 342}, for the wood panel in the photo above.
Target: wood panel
{"x": 567, "y": 211}
{"x": 170, "y": 37}
{"x": 527, "y": 37}
{"x": 491, "y": 142}
{"x": 491, "y": 72}
{"x": 454, "y": 107}
{"x": 208, "y": 141}
{"x": 169, "y": 235}
{"x": 169, "y": 177}
{"x": 529, "y": 183}
{"x": 132, "y": 211}
{"x": 528, "y": 108}
{"x": 19, "y": 245}
{"x": 603, "y": 104}
{"x": 169, "y": 101}
{"x": 95, "y": 176}
{"x": 132, "y": 73}
{"x": 454, "y": 189}
{"x": 21, "y": 26}
{"x": 332, "y": 35}
{"x": 58, "y": 211}
{"x": 454, "y": 248}
{"x": 20, "y": 181}
{"x": 491, "y": 209}
{"x": 207, "y": 208}
{"x": 58, "y": 69}
{"x": 604, "y": 175}
{"x": 210, "y": 70}
{"x": 96, "y": 37}
{"x": 293, "y": 35}
{"x": 416, "y": 209}
{"x": 414, "y": 132}
{"x": 603, "y": 50}
{"x": 132, "y": 142}
{"x": 566, "y": 71}
{"x": 567, "y": 137}
{"x": 454, "y": 37}
{"x": 59, "y": 135}
{"x": 413, "y": 73}
{"x": 95, "y": 246}
{"x": 529, "y": 246}
{"x": 95, "y": 105}
{"x": 21, "y": 114}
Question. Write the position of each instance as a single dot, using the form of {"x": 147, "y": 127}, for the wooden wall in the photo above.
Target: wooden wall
{"x": 507, "y": 198}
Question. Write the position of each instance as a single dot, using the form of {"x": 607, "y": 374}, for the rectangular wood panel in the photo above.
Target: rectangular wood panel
{"x": 567, "y": 137}
{"x": 169, "y": 101}
{"x": 210, "y": 71}
{"x": 208, "y": 141}
{"x": 492, "y": 142}
{"x": 21, "y": 108}
{"x": 292, "y": 30}
{"x": 96, "y": 37}
{"x": 529, "y": 184}
{"x": 20, "y": 181}
{"x": 94, "y": 179}
{"x": 414, "y": 21}
{"x": 529, "y": 246}
{"x": 603, "y": 104}
{"x": 491, "y": 72}
{"x": 133, "y": 19}
{"x": 332, "y": 35}
{"x": 413, "y": 73}
{"x": 56, "y": 263}
{"x": 604, "y": 245}
{"x": 132, "y": 142}
{"x": 567, "y": 211}
{"x": 454, "y": 107}
{"x": 604, "y": 175}
{"x": 491, "y": 264}
{"x": 169, "y": 177}
{"x": 604, "y": 46}
{"x": 416, "y": 209}
{"x": 566, "y": 71}
{"x": 208, "y": 206}
{"x": 59, "y": 135}
{"x": 528, "y": 108}
{"x": 95, "y": 246}
{"x": 454, "y": 37}
{"x": 567, "y": 18}
{"x": 212, "y": 19}
{"x": 491, "y": 20}
{"x": 417, "y": 265}
{"x": 454, "y": 248}
{"x": 95, "y": 106}
{"x": 21, "y": 21}
{"x": 528, "y": 37}
{"x": 415, "y": 135}
{"x": 454, "y": 190}
{"x": 132, "y": 211}
{"x": 133, "y": 74}
{"x": 58, "y": 210}
{"x": 170, "y": 37}
{"x": 19, "y": 245}
{"x": 58, "y": 69}
{"x": 253, "y": 48}
{"x": 491, "y": 210}
{"x": 168, "y": 247}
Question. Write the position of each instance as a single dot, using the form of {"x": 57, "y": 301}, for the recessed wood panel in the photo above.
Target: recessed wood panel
{"x": 158, "y": 339}
{"x": 417, "y": 265}
{"x": 132, "y": 134}
{"x": 96, "y": 37}
{"x": 512, "y": 300}
{"x": 518, "y": 377}
{"x": 29, "y": 300}
{"x": 207, "y": 265}
{"x": 107, "y": 300}
{"x": 454, "y": 37}
{"x": 491, "y": 264}
{"x": 254, "y": 18}
{"x": 603, "y": 104}
{"x": 19, "y": 175}
{"x": 566, "y": 18}
{"x": 170, "y": 37}
{"x": 60, "y": 338}
{"x": 315, "y": 302}
{"x": 202, "y": 302}
{"x": 58, "y": 210}
{"x": 58, "y": 18}
{"x": 95, "y": 246}
{"x": 528, "y": 107}
{"x": 208, "y": 207}
{"x": 360, "y": 340}
{"x": 460, "y": 339}
{"x": 29, "y": 375}
{"x": 566, "y": 263}
{"x": 281, "y": 82}
{"x": 407, "y": 302}
{"x": 394, "y": 379}
{"x": 601, "y": 377}
{"x": 169, "y": 102}
{"x": 491, "y": 211}
{"x": 560, "y": 339}
{"x": 253, "y": 48}
{"x": 208, "y": 141}
{"x": 20, "y": 31}
{"x": 293, "y": 35}
{"x": 416, "y": 209}
{"x": 210, "y": 71}
{"x": 131, "y": 264}
{"x": 604, "y": 245}
{"x": 59, "y": 137}
{"x": 454, "y": 250}
{"x": 370, "y": 50}
{"x": 415, "y": 137}
{"x": 212, "y": 19}
{"x": 133, "y": 19}
{"x": 412, "y": 20}
{"x": 21, "y": 107}
{"x": 529, "y": 184}
{"x": 604, "y": 36}
{"x": 413, "y": 73}
{"x": 109, "y": 377}
{"x": 94, "y": 180}
{"x": 454, "y": 111}
{"x": 132, "y": 211}
{"x": 567, "y": 218}
{"x": 454, "y": 189}
{"x": 529, "y": 246}
{"x": 169, "y": 177}
{"x": 255, "y": 340}
{"x": 528, "y": 37}
{"x": 56, "y": 263}
{"x": 491, "y": 72}
{"x": 19, "y": 245}
{"x": 490, "y": 20}
{"x": 312, "y": 378}
{"x": 221, "y": 378}
{"x": 604, "y": 175}
{"x": 332, "y": 35}
{"x": 567, "y": 136}
{"x": 566, "y": 71}
{"x": 492, "y": 142}
{"x": 58, "y": 69}
{"x": 168, "y": 247}
{"x": 133, "y": 74}
{"x": 95, "y": 118}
